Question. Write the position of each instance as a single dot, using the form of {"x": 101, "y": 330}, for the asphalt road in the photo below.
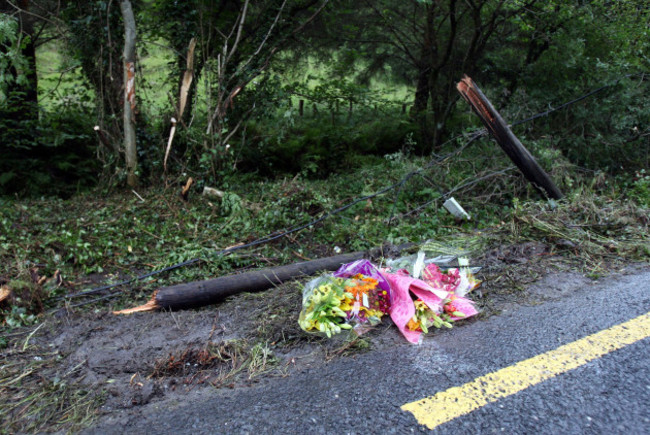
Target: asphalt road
{"x": 366, "y": 394}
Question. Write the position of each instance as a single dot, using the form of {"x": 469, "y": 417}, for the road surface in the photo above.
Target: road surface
{"x": 573, "y": 362}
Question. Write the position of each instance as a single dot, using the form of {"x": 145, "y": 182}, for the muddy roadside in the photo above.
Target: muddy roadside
{"x": 78, "y": 368}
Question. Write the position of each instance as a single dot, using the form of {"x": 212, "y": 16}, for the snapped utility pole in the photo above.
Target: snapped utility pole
{"x": 507, "y": 140}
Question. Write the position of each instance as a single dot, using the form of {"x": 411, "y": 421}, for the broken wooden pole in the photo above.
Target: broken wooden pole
{"x": 507, "y": 140}
{"x": 200, "y": 293}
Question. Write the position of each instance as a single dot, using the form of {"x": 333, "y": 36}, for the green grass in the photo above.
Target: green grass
{"x": 119, "y": 235}
{"x": 61, "y": 81}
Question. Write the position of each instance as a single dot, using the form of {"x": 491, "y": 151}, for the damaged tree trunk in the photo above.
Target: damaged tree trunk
{"x": 507, "y": 140}
{"x": 130, "y": 152}
{"x": 201, "y": 293}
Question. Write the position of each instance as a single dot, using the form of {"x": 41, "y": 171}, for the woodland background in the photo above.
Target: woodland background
{"x": 323, "y": 127}
{"x": 306, "y": 86}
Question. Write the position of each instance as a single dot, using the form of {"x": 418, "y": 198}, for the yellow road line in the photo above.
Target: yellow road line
{"x": 454, "y": 402}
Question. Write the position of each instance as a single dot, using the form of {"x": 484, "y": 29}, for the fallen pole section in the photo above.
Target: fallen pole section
{"x": 200, "y": 293}
{"x": 507, "y": 140}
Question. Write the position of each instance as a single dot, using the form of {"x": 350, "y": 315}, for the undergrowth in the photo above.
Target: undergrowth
{"x": 53, "y": 247}
{"x": 35, "y": 397}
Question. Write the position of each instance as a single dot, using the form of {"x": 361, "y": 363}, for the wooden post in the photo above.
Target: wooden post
{"x": 201, "y": 293}
{"x": 301, "y": 107}
{"x": 507, "y": 140}
{"x": 130, "y": 152}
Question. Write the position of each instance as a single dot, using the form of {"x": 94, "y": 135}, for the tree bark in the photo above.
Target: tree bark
{"x": 130, "y": 151}
{"x": 420, "y": 106}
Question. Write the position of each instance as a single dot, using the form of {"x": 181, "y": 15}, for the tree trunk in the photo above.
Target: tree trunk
{"x": 130, "y": 151}
{"x": 192, "y": 66}
{"x": 201, "y": 293}
{"x": 420, "y": 105}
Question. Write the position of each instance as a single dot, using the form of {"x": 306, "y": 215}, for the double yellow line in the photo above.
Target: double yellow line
{"x": 457, "y": 401}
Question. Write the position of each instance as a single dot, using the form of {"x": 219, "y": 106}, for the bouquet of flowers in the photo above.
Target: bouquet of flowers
{"x": 418, "y": 296}
{"x": 356, "y": 296}
{"x": 432, "y": 298}
{"x": 322, "y": 302}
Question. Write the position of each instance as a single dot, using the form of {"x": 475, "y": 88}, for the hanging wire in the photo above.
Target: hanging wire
{"x": 473, "y": 136}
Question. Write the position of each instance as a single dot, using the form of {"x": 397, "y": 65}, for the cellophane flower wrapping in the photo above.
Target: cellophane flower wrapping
{"x": 436, "y": 299}
{"x": 404, "y": 288}
{"x": 322, "y": 299}
{"x": 371, "y": 294}
{"x": 358, "y": 295}
{"x": 355, "y": 296}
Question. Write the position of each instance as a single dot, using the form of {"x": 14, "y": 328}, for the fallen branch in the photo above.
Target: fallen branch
{"x": 5, "y": 292}
{"x": 201, "y": 293}
{"x": 172, "y": 131}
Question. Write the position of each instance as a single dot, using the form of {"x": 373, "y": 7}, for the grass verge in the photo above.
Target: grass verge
{"x": 51, "y": 247}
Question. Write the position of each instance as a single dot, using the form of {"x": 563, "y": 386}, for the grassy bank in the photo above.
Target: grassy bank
{"x": 53, "y": 247}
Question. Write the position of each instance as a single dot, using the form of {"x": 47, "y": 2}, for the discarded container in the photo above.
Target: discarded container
{"x": 454, "y": 208}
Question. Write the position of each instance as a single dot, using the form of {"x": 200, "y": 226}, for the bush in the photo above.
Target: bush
{"x": 317, "y": 148}
{"x": 58, "y": 158}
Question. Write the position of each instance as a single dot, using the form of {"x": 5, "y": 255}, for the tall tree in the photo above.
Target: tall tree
{"x": 235, "y": 43}
{"x": 95, "y": 36}
{"x": 130, "y": 151}
{"x": 429, "y": 44}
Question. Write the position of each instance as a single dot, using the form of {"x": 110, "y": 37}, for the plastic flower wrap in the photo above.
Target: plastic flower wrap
{"x": 355, "y": 296}
{"x": 415, "y": 292}
{"x": 460, "y": 281}
{"x": 435, "y": 300}
{"x": 404, "y": 289}
{"x": 365, "y": 268}
{"x": 368, "y": 302}
{"x": 321, "y": 306}
{"x": 371, "y": 292}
